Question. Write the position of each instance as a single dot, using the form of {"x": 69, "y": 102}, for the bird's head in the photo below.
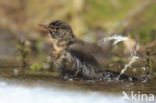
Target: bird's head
{"x": 59, "y": 30}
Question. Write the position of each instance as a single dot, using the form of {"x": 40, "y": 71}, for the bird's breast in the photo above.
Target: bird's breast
{"x": 62, "y": 58}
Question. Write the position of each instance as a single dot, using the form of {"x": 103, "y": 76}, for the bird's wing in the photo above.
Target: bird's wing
{"x": 86, "y": 58}
{"x": 90, "y": 48}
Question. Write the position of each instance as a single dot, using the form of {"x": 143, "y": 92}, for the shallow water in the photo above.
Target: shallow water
{"x": 25, "y": 91}
{"x": 21, "y": 87}
{"x": 25, "y": 94}
{"x": 21, "y": 94}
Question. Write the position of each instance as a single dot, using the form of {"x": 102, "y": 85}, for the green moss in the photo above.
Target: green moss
{"x": 35, "y": 67}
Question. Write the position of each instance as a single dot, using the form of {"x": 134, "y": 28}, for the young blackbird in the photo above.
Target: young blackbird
{"x": 74, "y": 63}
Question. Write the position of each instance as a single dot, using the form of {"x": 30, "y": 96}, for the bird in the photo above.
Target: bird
{"x": 73, "y": 63}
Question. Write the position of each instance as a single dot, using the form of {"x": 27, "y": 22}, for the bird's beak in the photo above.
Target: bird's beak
{"x": 45, "y": 26}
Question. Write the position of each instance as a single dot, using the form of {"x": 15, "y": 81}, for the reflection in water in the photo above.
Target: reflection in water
{"x": 21, "y": 94}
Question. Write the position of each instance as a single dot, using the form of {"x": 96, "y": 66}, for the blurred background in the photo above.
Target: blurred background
{"x": 91, "y": 21}
{"x": 25, "y": 48}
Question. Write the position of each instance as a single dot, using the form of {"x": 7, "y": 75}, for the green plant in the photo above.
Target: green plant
{"x": 36, "y": 67}
{"x": 24, "y": 50}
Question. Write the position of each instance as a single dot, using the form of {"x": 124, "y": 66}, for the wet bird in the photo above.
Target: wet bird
{"x": 74, "y": 63}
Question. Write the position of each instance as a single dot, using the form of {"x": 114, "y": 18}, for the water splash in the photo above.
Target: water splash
{"x": 116, "y": 38}
{"x": 134, "y": 57}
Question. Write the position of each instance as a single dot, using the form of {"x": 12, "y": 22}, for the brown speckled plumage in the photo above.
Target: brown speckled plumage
{"x": 71, "y": 62}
